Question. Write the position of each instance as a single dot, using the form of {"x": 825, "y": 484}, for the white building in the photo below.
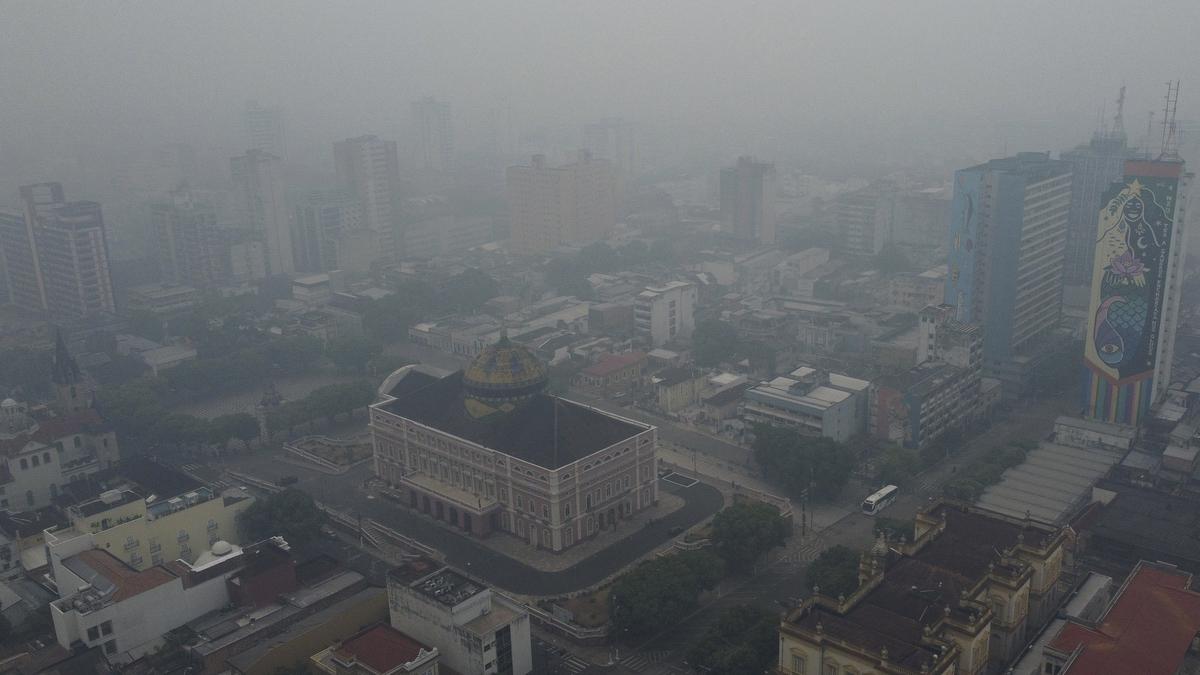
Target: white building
{"x": 368, "y": 169}
{"x": 475, "y": 629}
{"x": 556, "y": 206}
{"x": 664, "y": 313}
{"x": 815, "y": 403}
{"x": 435, "y": 134}
{"x": 126, "y": 612}
{"x": 262, "y": 206}
{"x": 40, "y": 456}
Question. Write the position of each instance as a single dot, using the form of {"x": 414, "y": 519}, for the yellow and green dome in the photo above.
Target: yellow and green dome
{"x": 502, "y": 377}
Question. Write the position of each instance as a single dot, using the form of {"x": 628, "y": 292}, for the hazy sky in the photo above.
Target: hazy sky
{"x": 944, "y": 80}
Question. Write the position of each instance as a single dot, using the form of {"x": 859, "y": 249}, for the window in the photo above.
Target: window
{"x": 29, "y": 497}
{"x": 156, "y": 559}
{"x": 110, "y": 647}
{"x": 46, "y": 457}
{"x": 545, "y": 510}
{"x": 607, "y": 490}
{"x": 24, "y": 463}
{"x": 520, "y": 502}
{"x": 567, "y": 510}
{"x": 831, "y": 668}
{"x": 625, "y": 483}
{"x": 798, "y": 664}
{"x": 93, "y": 633}
{"x": 36, "y": 461}
{"x": 587, "y": 502}
{"x": 78, "y": 442}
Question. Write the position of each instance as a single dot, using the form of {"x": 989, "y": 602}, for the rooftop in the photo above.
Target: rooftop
{"x": 614, "y": 363}
{"x": 448, "y": 587}
{"x": 111, "y": 579}
{"x": 673, "y": 376}
{"x": 1148, "y": 629}
{"x": 548, "y": 431}
{"x": 381, "y": 648}
{"x": 1050, "y": 484}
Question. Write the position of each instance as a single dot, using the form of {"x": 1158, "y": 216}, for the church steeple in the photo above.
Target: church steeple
{"x": 71, "y": 388}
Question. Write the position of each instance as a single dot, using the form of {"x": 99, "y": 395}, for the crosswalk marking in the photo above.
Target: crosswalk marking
{"x": 574, "y": 664}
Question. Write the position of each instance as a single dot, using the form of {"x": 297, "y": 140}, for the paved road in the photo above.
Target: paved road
{"x": 345, "y": 491}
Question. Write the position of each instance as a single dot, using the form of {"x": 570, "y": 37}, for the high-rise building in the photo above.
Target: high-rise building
{"x": 260, "y": 204}
{"x": 328, "y": 234}
{"x": 434, "y": 126}
{"x": 556, "y": 206}
{"x": 368, "y": 170}
{"x": 1094, "y": 167}
{"x": 1006, "y": 245}
{"x": 864, "y": 219}
{"x": 612, "y": 139}
{"x": 883, "y": 213}
{"x": 1137, "y": 275}
{"x": 265, "y": 129}
{"x": 748, "y": 192}
{"x": 186, "y": 241}
{"x": 56, "y": 256}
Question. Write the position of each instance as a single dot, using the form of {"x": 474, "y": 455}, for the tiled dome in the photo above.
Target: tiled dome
{"x": 504, "y": 372}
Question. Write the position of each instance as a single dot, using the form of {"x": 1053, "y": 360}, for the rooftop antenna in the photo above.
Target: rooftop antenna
{"x": 1119, "y": 118}
{"x": 1170, "y": 144}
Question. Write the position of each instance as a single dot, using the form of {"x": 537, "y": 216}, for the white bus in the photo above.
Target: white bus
{"x": 880, "y": 500}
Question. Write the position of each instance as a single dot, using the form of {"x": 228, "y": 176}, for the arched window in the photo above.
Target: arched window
{"x": 29, "y": 497}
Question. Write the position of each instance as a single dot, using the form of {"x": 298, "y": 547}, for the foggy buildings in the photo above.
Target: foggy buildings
{"x": 864, "y": 219}
{"x": 56, "y": 256}
{"x": 748, "y": 193}
{"x": 434, "y": 128}
{"x": 368, "y": 170}
{"x": 186, "y": 241}
{"x": 556, "y": 206}
{"x": 1136, "y": 280}
{"x": 260, "y": 205}
{"x": 328, "y": 234}
{"x": 612, "y": 139}
{"x": 1094, "y": 167}
{"x": 1007, "y": 244}
{"x": 264, "y": 129}
{"x": 664, "y": 313}
{"x": 882, "y": 213}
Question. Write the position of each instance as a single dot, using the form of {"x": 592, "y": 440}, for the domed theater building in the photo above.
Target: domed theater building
{"x": 486, "y": 449}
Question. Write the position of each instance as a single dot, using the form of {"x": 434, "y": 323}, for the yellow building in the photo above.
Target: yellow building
{"x": 963, "y": 595}
{"x": 146, "y": 514}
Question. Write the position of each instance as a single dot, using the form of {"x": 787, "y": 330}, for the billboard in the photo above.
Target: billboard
{"x": 1129, "y": 285}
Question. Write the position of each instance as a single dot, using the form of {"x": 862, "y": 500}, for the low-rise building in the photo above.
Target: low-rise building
{"x": 474, "y": 628}
{"x": 678, "y": 388}
{"x": 914, "y": 292}
{"x": 161, "y": 298}
{"x": 1149, "y": 628}
{"x": 959, "y": 599}
{"x": 377, "y": 650}
{"x": 663, "y": 313}
{"x": 127, "y": 612}
{"x": 813, "y": 402}
{"x": 614, "y": 373}
{"x": 145, "y": 514}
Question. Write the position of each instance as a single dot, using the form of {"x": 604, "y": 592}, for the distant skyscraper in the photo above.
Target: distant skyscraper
{"x": 265, "y": 129}
{"x": 435, "y": 135}
{"x": 1136, "y": 279}
{"x": 368, "y": 169}
{"x": 748, "y": 194}
{"x": 612, "y": 139}
{"x": 186, "y": 241}
{"x": 556, "y": 206}
{"x": 56, "y": 256}
{"x": 1006, "y": 245}
{"x": 328, "y": 234}
{"x": 260, "y": 204}
{"x": 1094, "y": 168}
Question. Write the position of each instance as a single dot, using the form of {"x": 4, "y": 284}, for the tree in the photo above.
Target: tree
{"x": 352, "y": 353}
{"x": 469, "y": 289}
{"x": 661, "y": 591}
{"x": 713, "y": 341}
{"x": 897, "y": 466}
{"x": 568, "y": 278}
{"x": 835, "y": 571}
{"x": 225, "y": 428}
{"x": 743, "y": 532}
{"x": 745, "y": 639}
{"x": 291, "y": 514}
{"x": 663, "y": 251}
{"x": 894, "y": 528}
{"x": 26, "y": 371}
{"x": 598, "y": 257}
{"x": 799, "y": 463}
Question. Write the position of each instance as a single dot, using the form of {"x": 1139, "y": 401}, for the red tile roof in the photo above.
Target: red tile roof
{"x": 381, "y": 648}
{"x": 128, "y": 581}
{"x": 53, "y": 428}
{"x": 613, "y": 363}
{"x": 1148, "y": 630}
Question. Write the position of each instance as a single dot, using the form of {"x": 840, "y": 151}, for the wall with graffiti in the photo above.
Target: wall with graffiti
{"x": 1134, "y": 236}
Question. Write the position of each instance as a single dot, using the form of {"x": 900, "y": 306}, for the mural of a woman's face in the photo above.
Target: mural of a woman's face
{"x": 1133, "y": 210}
